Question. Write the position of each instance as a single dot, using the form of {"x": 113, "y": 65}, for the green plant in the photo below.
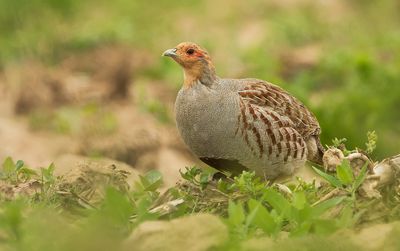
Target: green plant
{"x": 371, "y": 143}
{"x": 295, "y": 215}
{"x": 16, "y": 172}
{"x": 250, "y": 207}
{"x": 345, "y": 178}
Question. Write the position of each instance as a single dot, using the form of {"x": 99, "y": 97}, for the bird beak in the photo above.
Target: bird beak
{"x": 170, "y": 53}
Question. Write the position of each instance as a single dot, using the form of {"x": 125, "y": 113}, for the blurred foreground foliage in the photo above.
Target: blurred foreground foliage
{"x": 42, "y": 211}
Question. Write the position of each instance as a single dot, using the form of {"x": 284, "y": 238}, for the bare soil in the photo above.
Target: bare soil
{"x": 105, "y": 77}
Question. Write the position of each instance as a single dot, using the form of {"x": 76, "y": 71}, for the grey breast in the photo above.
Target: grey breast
{"x": 206, "y": 119}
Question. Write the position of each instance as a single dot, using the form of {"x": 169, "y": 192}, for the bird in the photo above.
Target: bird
{"x": 237, "y": 125}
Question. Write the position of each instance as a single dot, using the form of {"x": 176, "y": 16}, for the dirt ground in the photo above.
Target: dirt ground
{"x": 34, "y": 98}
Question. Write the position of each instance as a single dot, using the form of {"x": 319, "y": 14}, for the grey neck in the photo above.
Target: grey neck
{"x": 208, "y": 76}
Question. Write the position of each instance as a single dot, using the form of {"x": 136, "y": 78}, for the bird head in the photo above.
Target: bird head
{"x": 195, "y": 61}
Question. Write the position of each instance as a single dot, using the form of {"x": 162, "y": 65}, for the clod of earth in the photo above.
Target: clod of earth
{"x": 199, "y": 232}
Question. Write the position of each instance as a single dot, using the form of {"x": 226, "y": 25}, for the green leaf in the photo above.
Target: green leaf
{"x": 48, "y": 173}
{"x": 19, "y": 165}
{"x": 223, "y": 186}
{"x": 153, "y": 187}
{"x": 152, "y": 180}
{"x": 8, "y": 166}
{"x": 28, "y": 171}
{"x": 299, "y": 200}
{"x": 190, "y": 173}
{"x": 304, "y": 214}
{"x": 347, "y": 219}
{"x": 324, "y": 206}
{"x": 51, "y": 168}
{"x": 116, "y": 208}
{"x": 25, "y": 174}
{"x": 278, "y": 202}
{"x": 153, "y": 176}
{"x": 360, "y": 178}
{"x": 345, "y": 173}
{"x": 301, "y": 209}
{"x": 301, "y": 229}
{"x": 331, "y": 179}
{"x": 204, "y": 179}
{"x": 12, "y": 216}
{"x": 143, "y": 182}
{"x": 143, "y": 205}
{"x": 260, "y": 217}
{"x": 236, "y": 213}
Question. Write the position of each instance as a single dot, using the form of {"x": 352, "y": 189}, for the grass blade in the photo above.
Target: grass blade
{"x": 331, "y": 179}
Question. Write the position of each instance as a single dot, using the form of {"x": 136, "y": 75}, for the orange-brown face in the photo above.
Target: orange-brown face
{"x": 195, "y": 61}
{"x": 188, "y": 55}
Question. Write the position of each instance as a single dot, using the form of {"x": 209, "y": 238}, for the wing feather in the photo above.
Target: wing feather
{"x": 280, "y": 103}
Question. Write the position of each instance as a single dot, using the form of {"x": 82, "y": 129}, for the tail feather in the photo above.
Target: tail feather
{"x": 315, "y": 150}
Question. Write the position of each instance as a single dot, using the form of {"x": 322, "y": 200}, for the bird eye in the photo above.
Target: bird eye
{"x": 190, "y": 51}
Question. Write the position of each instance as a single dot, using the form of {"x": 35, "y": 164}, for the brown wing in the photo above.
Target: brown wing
{"x": 291, "y": 111}
{"x": 274, "y": 123}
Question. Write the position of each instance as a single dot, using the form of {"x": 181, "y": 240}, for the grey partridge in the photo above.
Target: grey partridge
{"x": 241, "y": 124}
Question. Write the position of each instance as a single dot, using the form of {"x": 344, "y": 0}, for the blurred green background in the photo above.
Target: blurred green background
{"x": 341, "y": 58}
